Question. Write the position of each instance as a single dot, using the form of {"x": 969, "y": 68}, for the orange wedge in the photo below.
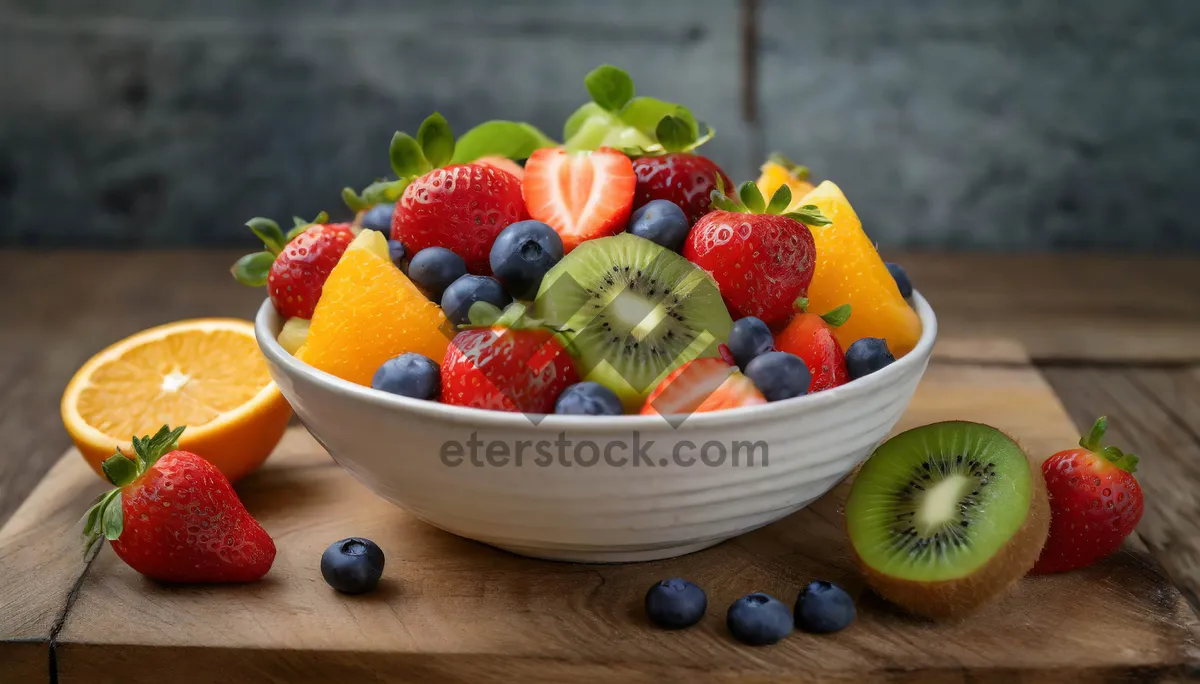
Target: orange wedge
{"x": 207, "y": 374}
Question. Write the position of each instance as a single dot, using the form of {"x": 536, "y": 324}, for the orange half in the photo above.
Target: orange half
{"x": 207, "y": 374}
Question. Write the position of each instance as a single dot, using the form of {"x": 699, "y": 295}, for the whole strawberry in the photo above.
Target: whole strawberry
{"x": 175, "y": 518}
{"x": 1095, "y": 503}
{"x": 294, "y": 266}
{"x": 507, "y": 369}
{"x": 685, "y": 179}
{"x": 761, "y": 258}
{"x": 810, "y": 336}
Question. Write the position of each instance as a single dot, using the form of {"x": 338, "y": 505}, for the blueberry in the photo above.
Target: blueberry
{"x": 522, "y": 254}
{"x": 397, "y": 252}
{"x": 433, "y": 269}
{"x": 758, "y": 620}
{"x": 462, "y": 293}
{"x": 675, "y": 603}
{"x": 661, "y": 222}
{"x": 749, "y": 338}
{"x": 588, "y": 399}
{"x": 409, "y": 375}
{"x": 779, "y": 375}
{"x": 823, "y": 608}
{"x": 352, "y": 566}
{"x": 866, "y": 356}
{"x": 901, "y": 277}
{"x": 379, "y": 217}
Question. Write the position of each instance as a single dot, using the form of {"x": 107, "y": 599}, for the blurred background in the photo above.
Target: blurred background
{"x": 949, "y": 124}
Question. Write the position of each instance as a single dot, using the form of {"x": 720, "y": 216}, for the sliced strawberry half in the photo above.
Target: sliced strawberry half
{"x": 702, "y": 385}
{"x": 582, "y": 195}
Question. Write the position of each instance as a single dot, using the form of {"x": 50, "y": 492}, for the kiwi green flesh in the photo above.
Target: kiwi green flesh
{"x": 631, "y": 312}
{"x": 938, "y": 502}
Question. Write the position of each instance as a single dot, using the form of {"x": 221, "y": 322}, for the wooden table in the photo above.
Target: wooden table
{"x": 1113, "y": 336}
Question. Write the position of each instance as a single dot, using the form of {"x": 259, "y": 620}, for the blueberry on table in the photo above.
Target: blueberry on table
{"x": 379, "y": 217}
{"x": 588, "y": 399}
{"x": 675, "y": 603}
{"x": 521, "y": 255}
{"x": 901, "y": 278}
{"x": 779, "y": 375}
{"x": 758, "y": 620}
{"x": 866, "y": 356}
{"x": 353, "y": 565}
{"x": 397, "y": 251}
{"x": 409, "y": 375}
{"x": 433, "y": 269}
{"x": 824, "y": 608}
{"x": 661, "y": 222}
{"x": 750, "y": 337}
{"x": 468, "y": 289}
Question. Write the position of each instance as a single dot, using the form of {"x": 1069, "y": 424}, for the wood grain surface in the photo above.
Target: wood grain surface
{"x": 453, "y": 610}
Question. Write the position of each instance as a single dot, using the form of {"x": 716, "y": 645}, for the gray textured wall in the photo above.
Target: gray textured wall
{"x": 961, "y": 123}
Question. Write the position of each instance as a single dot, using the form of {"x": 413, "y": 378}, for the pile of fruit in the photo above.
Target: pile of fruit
{"x": 618, "y": 272}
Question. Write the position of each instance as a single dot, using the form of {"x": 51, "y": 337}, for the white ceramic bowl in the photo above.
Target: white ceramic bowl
{"x": 668, "y": 502}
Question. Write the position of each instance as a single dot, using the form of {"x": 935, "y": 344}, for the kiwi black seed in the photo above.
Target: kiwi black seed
{"x": 631, "y": 311}
{"x": 943, "y": 518}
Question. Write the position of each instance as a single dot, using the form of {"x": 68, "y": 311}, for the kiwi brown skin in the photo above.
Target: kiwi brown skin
{"x": 958, "y": 598}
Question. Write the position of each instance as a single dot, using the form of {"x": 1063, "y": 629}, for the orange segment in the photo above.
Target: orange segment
{"x": 370, "y": 312}
{"x": 774, "y": 175}
{"x": 850, "y": 271}
{"x": 206, "y": 374}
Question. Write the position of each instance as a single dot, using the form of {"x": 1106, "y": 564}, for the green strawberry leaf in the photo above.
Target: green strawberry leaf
{"x": 354, "y": 201}
{"x": 119, "y": 470}
{"x": 112, "y": 520}
{"x": 796, "y": 170}
{"x": 780, "y": 200}
{"x": 510, "y": 139}
{"x": 269, "y": 232}
{"x": 725, "y": 203}
{"x": 752, "y": 197}
{"x": 610, "y": 87}
{"x": 408, "y": 161}
{"x": 838, "y": 316}
{"x": 1092, "y": 442}
{"x": 483, "y": 314}
{"x": 800, "y": 305}
{"x": 436, "y": 140}
{"x": 809, "y": 215}
{"x": 253, "y": 269}
{"x": 674, "y": 134}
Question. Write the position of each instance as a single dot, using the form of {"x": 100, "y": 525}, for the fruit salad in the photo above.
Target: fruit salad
{"x": 620, "y": 271}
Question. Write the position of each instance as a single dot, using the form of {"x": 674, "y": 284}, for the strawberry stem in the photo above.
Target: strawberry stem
{"x": 1092, "y": 442}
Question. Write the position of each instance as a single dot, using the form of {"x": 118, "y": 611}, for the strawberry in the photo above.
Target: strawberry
{"x": 506, "y": 369}
{"x": 762, "y": 259}
{"x": 457, "y": 194}
{"x": 810, "y": 337}
{"x": 175, "y": 518}
{"x": 294, "y": 266}
{"x": 1095, "y": 503}
{"x": 685, "y": 179}
{"x": 700, "y": 385}
{"x": 462, "y": 207}
{"x": 582, "y": 195}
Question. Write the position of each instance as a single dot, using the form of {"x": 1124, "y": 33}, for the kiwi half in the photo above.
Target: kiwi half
{"x": 944, "y": 518}
{"x": 632, "y": 311}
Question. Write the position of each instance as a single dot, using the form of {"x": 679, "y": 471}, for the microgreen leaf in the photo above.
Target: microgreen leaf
{"x": 780, "y": 201}
{"x": 436, "y": 140}
{"x": 809, "y": 215}
{"x": 674, "y": 134}
{"x": 752, "y": 197}
{"x": 252, "y": 269}
{"x": 119, "y": 470}
{"x": 483, "y": 313}
{"x": 269, "y": 232}
{"x": 581, "y": 115}
{"x": 644, "y": 114}
{"x": 610, "y": 87}
{"x": 511, "y": 139}
{"x": 838, "y": 316}
{"x": 408, "y": 161}
{"x": 112, "y": 520}
{"x": 353, "y": 201}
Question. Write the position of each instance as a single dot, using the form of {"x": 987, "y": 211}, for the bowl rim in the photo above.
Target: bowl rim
{"x": 267, "y": 322}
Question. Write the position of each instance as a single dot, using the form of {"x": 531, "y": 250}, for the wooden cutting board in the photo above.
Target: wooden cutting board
{"x": 454, "y": 610}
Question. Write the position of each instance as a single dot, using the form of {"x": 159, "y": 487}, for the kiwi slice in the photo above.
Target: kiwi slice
{"x": 632, "y": 311}
{"x": 944, "y": 518}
